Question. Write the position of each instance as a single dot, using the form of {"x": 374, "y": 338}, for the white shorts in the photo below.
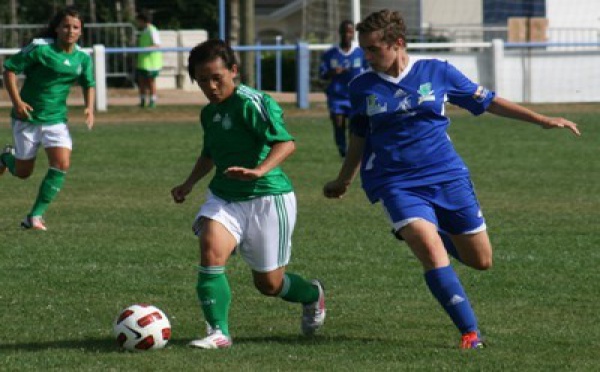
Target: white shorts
{"x": 262, "y": 227}
{"x": 28, "y": 138}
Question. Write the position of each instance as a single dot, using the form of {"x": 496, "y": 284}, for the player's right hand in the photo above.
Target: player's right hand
{"x": 180, "y": 192}
{"x": 23, "y": 110}
{"x": 335, "y": 189}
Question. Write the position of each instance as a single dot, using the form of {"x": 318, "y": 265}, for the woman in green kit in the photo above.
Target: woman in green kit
{"x": 51, "y": 65}
{"x": 251, "y": 206}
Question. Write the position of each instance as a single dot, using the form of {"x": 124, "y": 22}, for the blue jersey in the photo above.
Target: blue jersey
{"x": 404, "y": 125}
{"x": 353, "y": 61}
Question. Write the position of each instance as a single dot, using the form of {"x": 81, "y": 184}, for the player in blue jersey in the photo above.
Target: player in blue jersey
{"x": 407, "y": 162}
{"x": 340, "y": 64}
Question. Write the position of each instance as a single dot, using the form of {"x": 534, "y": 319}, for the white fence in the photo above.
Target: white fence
{"x": 531, "y": 73}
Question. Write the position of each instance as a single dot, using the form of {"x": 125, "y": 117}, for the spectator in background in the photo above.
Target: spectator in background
{"x": 149, "y": 64}
{"x": 340, "y": 64}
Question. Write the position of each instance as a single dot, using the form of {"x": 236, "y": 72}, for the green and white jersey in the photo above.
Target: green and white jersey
{"x": 50, "y": 72}
{"x": 240, "y": 132}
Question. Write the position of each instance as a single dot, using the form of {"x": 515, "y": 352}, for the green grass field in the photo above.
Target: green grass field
{"x": 116, "y": 238}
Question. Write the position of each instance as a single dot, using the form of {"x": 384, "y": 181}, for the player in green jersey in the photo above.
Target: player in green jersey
{"x": 149, "y": 64}
{"x": 51, "y": 64}
{"x": 251, "y": 206}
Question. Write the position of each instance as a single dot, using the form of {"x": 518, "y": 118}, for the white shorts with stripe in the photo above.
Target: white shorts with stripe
{"x": 28, "y": 138}
{"x": 262, "y": 227}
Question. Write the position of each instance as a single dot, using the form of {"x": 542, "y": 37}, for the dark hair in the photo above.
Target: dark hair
{"x": 209, "y": 51}
{"x": 144, "y": 16}
{"x": 50, "y": 31}
{"x": 345, "y": 23}
{"x": 390, "y": 22}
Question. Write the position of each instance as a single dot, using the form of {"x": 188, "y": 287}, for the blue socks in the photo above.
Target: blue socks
{"x": 446, "y": 288}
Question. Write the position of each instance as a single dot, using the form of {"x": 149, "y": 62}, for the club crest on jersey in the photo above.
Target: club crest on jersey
{"x": 426, "y": 93}
{"x": 357, "y": 63}
{"x": 374, "y": 107}
{"x": 226, "y": 122}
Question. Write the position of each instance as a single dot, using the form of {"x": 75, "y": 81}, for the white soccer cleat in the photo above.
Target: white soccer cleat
{"x": 215, "y": 340}
{"x": 34, "y": 223}
{"x": 313, "y": 314}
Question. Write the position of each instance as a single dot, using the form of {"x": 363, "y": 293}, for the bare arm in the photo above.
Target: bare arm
{"x": 338, "y": 187}
{"x": 279, "y": 152}
{"x": 506, "y": 108}
{"x": 202, "y": 167}
{"x": 89, "y": 97}
{"x": 22, "y": 109}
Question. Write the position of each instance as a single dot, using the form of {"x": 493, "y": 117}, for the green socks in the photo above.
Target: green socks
{"x": 9, "y": 161}
{"x": 214, "y": 295}
{"x": 297, "y": 289}
{"x": 51, "y": 185}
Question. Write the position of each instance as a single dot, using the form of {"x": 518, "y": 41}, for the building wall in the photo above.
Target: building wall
{"x": 565, "y": 14}
{"x": 454, "y": 13}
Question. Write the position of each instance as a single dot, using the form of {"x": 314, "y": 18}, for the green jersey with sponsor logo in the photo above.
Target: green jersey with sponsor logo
{"x": 239, "y": 132}
{"x": 50, "y": 72}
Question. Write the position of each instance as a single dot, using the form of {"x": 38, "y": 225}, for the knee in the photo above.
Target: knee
{"x": 268, "y": 289}
{"x": 483, "y": 263}
{"x": 22, "y": 174}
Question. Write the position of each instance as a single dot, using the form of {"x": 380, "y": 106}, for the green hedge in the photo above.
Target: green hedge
{"x": 288, "y": 71}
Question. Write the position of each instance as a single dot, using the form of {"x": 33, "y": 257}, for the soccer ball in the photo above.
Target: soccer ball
{"x": 142, "y": 327}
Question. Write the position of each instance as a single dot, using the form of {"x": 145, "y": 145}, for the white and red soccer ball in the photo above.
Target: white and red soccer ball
{"x": 142, "y": 327}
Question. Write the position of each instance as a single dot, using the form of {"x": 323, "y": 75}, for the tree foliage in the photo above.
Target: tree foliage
{"x": 167, "y": 14}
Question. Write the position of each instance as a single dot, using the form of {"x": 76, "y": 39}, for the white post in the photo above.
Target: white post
{"x": 356, "y": 16}
{"x": 498, "y": 64}
{"x": 100, "y": 77}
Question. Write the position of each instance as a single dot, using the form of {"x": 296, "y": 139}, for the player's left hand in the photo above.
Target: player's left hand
{"x": 243, "y": 174}
{"x": 89, "y": 118}
{"x": 561, "y": 123}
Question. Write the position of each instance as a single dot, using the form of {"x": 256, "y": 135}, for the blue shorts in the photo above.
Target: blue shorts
{"x": 339, "y": 107}
{"x": 452, "y": 206}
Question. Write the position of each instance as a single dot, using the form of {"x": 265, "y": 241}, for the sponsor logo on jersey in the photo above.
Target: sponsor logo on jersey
{"x": 426, "y": 93}
{"x": 374, "y": 107}
{"x": 404, "y": 105}
{"x": 226, "y": 123}
{"x": 217, "y": 118}
{"x": 67, "y": 62}
{"x": 480, "y": 94}
{"x": 334, "y": 63}
{"x": 400, "y": 93}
